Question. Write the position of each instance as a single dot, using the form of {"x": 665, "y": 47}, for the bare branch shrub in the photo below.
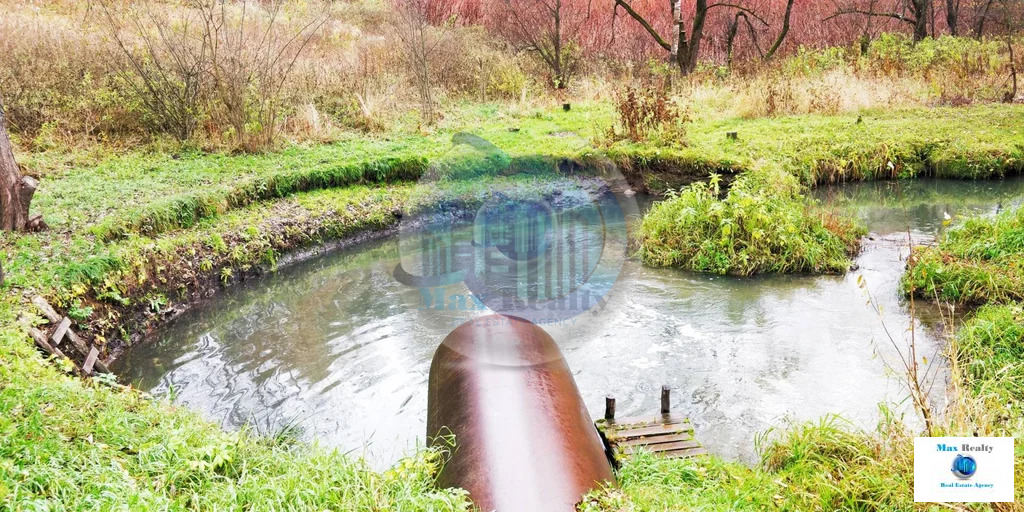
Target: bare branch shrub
{"x": 165, "y": 61}
{"x": 252, "y": 52}
{"x": 548, "y": 29}
{"x": 55, "y": 83}
{"x": 649, "y": 112}
{"x": 420, "y": 42}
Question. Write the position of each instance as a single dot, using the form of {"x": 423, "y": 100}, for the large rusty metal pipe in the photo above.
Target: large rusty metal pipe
{"x": 524, "y": 439}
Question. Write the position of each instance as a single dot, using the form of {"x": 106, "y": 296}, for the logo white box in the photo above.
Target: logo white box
{"x": 991, "y": 459}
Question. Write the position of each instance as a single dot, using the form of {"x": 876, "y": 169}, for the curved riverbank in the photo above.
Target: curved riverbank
{"x": 109, "y": 446}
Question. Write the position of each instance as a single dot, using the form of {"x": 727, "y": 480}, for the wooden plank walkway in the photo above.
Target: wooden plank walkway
{"x": 669, "y": 435}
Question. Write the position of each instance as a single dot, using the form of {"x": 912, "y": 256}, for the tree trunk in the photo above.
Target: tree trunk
{"x": 782, "y": 35}
{"x": 920, "y": 8}
{"x": 952, "y": 16}
{"x": 696, "y": 36}
{"x": 15, "y": 190}
{"x": 979, "y": 26}
{"x": 1012, "y": 95}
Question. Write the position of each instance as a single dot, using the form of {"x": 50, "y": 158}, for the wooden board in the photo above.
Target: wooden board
{"x": 61, "y": 330}
{"x": 664, "y": 435}
{"x": 80, "y": 345}
{"x": 90, "y": 360}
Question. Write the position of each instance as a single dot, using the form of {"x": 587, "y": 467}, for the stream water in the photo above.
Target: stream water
{"x": 337, "y": 349}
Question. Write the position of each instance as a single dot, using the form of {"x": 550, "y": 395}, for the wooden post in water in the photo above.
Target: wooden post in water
{"x": 666, "y": 400}
{"x": 609, "y": 408}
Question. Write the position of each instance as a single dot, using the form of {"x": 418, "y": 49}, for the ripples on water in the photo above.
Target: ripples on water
{"x": 336, "y": 348}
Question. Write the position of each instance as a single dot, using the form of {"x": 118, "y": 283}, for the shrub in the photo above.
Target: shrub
{"x": 648, "y": 112}
{"x": 763, "y": 224}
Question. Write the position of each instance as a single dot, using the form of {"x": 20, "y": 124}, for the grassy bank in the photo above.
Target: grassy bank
{"x": 67, "y": 444}
{"x": 979, "y": 261}
{"x": 136, "y": 235}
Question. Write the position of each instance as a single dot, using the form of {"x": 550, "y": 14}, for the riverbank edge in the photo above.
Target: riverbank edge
{"x": 218, "y": 281}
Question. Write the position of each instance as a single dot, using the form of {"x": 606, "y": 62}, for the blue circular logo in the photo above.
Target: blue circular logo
{"x": 964, "y": 466}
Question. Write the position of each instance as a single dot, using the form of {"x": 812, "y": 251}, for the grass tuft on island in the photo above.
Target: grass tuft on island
{"x": 977, "y": 262}
{"x": 763, "y": 224}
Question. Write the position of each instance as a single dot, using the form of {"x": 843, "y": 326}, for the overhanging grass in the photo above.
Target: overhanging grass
{"x": 67, "y": 444}
{"x": 980, "y": 261}
{"x": 763, "y": 224}
{"x": 184, "y": 210}
{"x": 992, "y": 346}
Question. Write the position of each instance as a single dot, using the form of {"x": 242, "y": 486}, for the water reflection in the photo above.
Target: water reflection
{"x": 337, "y": 347}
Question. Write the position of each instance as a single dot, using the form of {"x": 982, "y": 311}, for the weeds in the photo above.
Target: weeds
{"x": 976, "y": 262}
{"x": 645, "y": 113}
{"x": 763, "y": 224}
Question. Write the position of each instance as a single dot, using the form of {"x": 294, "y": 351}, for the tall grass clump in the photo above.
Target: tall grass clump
{"x": 976, "y": 262}
{"x": 991, "y": 346}
{"x": 763, "y": 224}
{"x": 71, "y": 444}
{"x": 822, "y": 465}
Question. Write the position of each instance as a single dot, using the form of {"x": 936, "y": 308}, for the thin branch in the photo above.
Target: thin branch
{"x": 647, "y": 26}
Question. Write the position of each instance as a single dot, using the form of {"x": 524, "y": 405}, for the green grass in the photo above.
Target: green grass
{"x": 980, "y": 261}
{"x": 824, "y": 465}
{"x": 86, "y": 188}
{"x": 68, "y": 444}
{"x": 993, "y": 344}
{"x": 763, "y": 224}
{"x": 137, "y": 231}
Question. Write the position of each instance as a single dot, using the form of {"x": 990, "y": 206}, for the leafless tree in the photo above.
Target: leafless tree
{"x": 953, "y": 16}
{"x": 550, "y": 29}
{"x": 742, "y": 16}
{"x": 15, "y": 190}
{"x": 684, "y": 44}
{"x": 913, "y": 12}
{"x": 166, "y": 62}
{"x": 420, "y": 42}
{"x": 1008, "y": 18}
{"x": 983, "y": 10}
{"x": 251, "y": 54}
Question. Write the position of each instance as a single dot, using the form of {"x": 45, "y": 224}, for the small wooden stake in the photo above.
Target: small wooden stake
{"x": 90, "y": 360}
{"x": 62, "y": 328}
{"x": 666, "y": 400}
{"x": 609, "y": 408}
{"x": 732, "y": 135}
